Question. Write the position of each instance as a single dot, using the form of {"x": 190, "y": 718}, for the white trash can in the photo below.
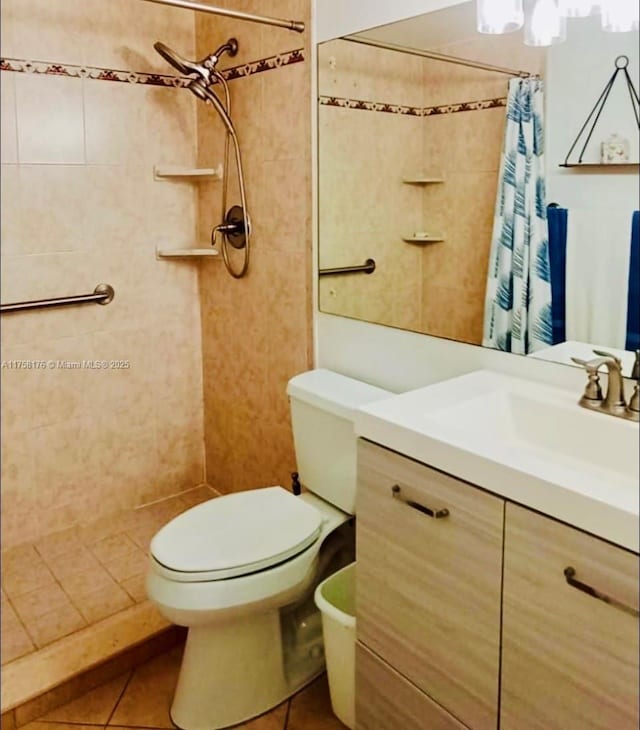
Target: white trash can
{"x": 335, "y": 597}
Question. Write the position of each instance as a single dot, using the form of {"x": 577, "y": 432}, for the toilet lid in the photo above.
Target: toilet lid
{"x": 237, "y": 534}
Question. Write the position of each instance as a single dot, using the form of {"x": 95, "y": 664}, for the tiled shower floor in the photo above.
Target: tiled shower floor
{"x": 141, "y": 698}
{"x": 73, "y": 579}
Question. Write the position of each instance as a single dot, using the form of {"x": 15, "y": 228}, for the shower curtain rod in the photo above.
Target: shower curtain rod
{"x": 439, "y": 56}
{"x": 296, "y": 25}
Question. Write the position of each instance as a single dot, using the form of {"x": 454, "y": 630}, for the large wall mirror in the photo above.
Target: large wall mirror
{"x": 415, "y": 160}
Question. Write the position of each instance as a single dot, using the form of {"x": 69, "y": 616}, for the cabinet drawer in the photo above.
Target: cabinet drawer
{"x": 428, "y": 589}
{"x": 570, "y": 660}
{"x": 386, "y": 701}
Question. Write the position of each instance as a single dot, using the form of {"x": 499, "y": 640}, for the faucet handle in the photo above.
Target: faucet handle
{"x": 635, "y": 373}
{"x": 592, "y": 391}
{"x": 604, "y": 353}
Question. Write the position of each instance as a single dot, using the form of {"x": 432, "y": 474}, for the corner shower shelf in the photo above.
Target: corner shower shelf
{"x": 421, "y": 180}
{"x": 186, "y": 253}
{"x": 167, "y": 172}
{"x": 422, "y": 239}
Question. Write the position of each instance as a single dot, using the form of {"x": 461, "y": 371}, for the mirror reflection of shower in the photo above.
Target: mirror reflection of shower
{"x": 235, "y": 229}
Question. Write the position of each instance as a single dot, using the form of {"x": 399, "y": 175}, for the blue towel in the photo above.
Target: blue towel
{"x": 557, "y": 220}
{"x": 633, "y": 301}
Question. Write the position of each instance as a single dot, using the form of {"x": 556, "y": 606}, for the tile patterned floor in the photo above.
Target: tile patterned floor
{"x": 142, "y": 697}
{"x": 72, "y": 579}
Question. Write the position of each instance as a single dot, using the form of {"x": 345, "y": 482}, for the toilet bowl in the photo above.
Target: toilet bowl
{"x": 240, "y": 570}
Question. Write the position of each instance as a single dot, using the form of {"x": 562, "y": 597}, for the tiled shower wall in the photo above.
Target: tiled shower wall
{"x": 415, "y": 127}
{"x": 364, "y": 207}
{"x": 256, "y": 331}
{"x": 79, "y": 207}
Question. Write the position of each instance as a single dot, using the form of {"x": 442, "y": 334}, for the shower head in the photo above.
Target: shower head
{"x": 179, "y": 63}
{"x": 203, "y": 68}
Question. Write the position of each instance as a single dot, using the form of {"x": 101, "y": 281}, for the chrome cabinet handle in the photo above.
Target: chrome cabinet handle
{"x": 570, "y": 573}
{"x": 435, "y": 513}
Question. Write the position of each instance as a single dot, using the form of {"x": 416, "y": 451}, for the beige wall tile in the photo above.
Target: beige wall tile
{"x": 50, "y": 119}
{"x": 168, "y": 113}
{"x": 118, "y": 209}
{"x": 122, "y": 34}
{"x": 114, "y": 123}
{"x": 362, "y": 72}
{"x": 279, "y": 219}
{"x": 284, "y": 135}
{"x": 8, "y": 129}
{"x": 9, "y": 217}
{"x": 37, "y": 29}
{"x": 49, "y": 203}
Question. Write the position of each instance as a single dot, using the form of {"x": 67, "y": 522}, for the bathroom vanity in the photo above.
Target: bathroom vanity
{"x": 481, "y": 605}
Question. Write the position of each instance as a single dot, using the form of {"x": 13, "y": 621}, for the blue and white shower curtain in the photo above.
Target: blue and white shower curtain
{"x": 517, "y": 313}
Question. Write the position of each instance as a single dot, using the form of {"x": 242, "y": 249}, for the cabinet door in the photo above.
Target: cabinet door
{"x": 427, "y": 588}
{"x": 570, "y": 659}
{"x": 386, "y": 701}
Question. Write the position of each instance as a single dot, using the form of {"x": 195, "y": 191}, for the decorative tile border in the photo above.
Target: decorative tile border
{"x": 90, "y": 72}
{"x": 140, "y": 77}
{"x": 264, "y": 64}
{"x": 465, "y": 106}
{"x": 413, "y": 111}
{"x": 370, "y": 106}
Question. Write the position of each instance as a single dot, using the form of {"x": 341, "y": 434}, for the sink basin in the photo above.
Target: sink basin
{"x": 525, "y": 441}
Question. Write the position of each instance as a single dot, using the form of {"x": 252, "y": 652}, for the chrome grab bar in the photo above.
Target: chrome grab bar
{"x": 102, "y": 294}
{"x": 368, "y": 267}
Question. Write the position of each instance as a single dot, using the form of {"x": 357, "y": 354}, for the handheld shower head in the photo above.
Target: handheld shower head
{"x": 202, "y": 92}
{"x": 179, "y": 63}
{"x": 204, "y": 68}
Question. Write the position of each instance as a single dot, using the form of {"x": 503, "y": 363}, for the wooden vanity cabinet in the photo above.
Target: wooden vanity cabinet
{"x": 428, "y": 587}
{"x": 569, "y": 659}
{"x": 470, "y": 607}
{"x": 386, "y": 700}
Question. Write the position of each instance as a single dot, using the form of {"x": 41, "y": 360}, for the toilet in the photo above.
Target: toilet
{"x": 240, "y": 570}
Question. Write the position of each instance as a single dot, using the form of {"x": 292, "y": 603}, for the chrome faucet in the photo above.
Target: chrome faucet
{"x": 613, "y": 403}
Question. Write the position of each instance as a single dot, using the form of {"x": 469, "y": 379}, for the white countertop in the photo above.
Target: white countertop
{"x": 526, "y": 442}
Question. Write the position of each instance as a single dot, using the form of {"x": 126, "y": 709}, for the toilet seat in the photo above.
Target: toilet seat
{"x": 235, "y": 535}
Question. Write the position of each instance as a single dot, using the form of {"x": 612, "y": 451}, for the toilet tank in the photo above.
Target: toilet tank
{"x": 322, "y": 407}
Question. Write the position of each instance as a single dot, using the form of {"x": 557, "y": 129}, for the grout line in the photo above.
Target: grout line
{"x": 140, "y": 727}
{"x": 120, "y": 696}
{"x": 23, "y": 624}
{"x": 286, "y": 717}
{"x": 68, "y": 722}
